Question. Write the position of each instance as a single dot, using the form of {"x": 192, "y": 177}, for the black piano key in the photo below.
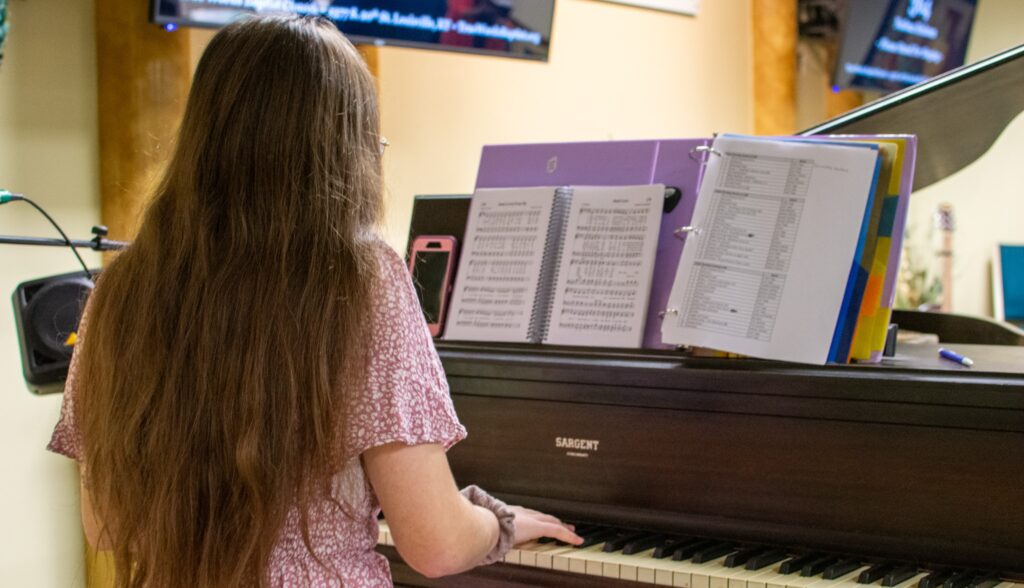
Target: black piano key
{"x": 986, "y": 580}
{"x": 596, "y": 536}
{"x": 686, "y": 551}
{"x": 766, "y": 559}
{"x": 797, "y": 563}
{"x": 617, "y": 543}
{"x": 875, "y": 573}
{"x": 580, "y": 529}
{"x": 642, "y": 544}
{"x": 899, "y": 575}
{"x": 935, "y": 579}
{"x": 742, "y": 556}
{"x": 712, "y": 552}
{"x": 670, "y": 546}
{"x": 813, "y": 568}
{"x": 840, "y": 568}
{"x": 960, "y": 579}
{"x": 584, "y": 527}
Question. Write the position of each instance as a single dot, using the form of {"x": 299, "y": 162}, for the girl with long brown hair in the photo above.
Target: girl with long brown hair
{"x": 255, "y": 378}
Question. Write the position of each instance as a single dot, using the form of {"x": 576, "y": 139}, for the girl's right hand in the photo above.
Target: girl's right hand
{"x": 531, "y": 524}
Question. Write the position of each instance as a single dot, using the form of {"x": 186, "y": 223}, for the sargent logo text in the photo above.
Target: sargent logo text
{"x": 577, "y": 444}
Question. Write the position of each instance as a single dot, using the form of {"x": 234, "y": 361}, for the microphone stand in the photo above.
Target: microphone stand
{"x": 98, "y": 243}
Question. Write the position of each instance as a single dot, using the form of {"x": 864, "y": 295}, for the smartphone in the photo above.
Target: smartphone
{"x": 431, "y": 262}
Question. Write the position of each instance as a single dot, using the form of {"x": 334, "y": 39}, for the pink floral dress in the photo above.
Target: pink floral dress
{"x": 404, "y": 398}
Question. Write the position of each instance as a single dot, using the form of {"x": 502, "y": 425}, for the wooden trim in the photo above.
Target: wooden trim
{"x": 143, "y": 79}
{"x": 774, "y": 39}
{"x": 371, "y": 53}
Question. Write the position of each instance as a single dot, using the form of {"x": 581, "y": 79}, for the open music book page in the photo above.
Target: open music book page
{"x": 502, "y": 255}
{"x": 776, "y": 229}
{"x": 606, "y": 265}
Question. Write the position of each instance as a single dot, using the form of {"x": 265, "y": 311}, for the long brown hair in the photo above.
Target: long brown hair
{"x": 209, "y": 400}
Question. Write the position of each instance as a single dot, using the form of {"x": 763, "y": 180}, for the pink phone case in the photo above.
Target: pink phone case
{"x": 441, "y": 289}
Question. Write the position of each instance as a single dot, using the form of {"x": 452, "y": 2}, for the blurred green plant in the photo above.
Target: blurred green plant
{"x": 918, "y": 286}
{"x": 4, "y": 27}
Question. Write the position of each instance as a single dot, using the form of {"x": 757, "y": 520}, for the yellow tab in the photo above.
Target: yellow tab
{"x": 72, "y": 339}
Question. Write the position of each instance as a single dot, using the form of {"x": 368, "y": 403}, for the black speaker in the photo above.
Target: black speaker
{"x": 47, "y": 312}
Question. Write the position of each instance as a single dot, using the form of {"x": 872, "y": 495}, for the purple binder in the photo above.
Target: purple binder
{"x": 610, "y": 163}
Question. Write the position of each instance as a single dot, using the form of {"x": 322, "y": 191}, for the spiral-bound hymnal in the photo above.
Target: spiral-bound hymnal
{"x": 567, "y": 265}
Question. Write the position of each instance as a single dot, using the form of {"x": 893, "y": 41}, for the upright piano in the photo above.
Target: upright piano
{"x": 740, "y": 473}
{"x": 902, "y": 474}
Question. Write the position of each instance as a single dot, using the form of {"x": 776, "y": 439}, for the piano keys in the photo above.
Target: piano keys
{"x": 902, "y": 475}
{"x": 608, "y": 561}
{"x": 644, "y": 567}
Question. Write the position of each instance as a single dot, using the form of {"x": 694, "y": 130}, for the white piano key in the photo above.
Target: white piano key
{"x": 575, "y": 560}
{"x": 795, "y": 580}
{"x": 846, "y": 581}
{"x": 708, "y": 570}
{"x": 546, "y": 558}
{"x": 512, "y": 556}
{"x": 744, "y": 578}
{"x": 611, "y": 570}
{"x": 912, "y": 582}
{"x": 538, "y": 555}
{"x": 644, "y": 574}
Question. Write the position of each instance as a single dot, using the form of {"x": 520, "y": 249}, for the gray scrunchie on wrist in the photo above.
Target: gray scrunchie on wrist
{"x": 506, "y": 521}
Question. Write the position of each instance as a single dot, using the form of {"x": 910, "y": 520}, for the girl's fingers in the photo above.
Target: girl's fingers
{"x": 561, "y": 533}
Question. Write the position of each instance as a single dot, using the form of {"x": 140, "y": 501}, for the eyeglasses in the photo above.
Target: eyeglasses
{"x": 383, "y": 144}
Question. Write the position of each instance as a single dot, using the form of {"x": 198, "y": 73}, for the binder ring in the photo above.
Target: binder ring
{"x": 682, "y": 232}
{"x": 702, "y": 149}
{"x": 667, "y": 312}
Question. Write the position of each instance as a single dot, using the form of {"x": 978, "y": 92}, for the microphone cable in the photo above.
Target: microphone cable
{"x": 6, "y": 196}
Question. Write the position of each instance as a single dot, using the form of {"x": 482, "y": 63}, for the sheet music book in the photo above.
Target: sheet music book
{"x": 671, "y": 162}
{"x": 567, "y": 265}
{"x": 771, "y": 258}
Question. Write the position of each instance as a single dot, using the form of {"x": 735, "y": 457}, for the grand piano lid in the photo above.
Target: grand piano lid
{"x": 956, "y": 116}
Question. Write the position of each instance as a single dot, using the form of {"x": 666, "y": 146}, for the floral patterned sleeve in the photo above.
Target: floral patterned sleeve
{"x": 66, "y": 439}
{"x": 404, "y": 395}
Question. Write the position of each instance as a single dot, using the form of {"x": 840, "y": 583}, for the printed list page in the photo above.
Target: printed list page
{"x": 501, "y": 259}
{"x": 607, "y": 261}
{"x": 777, "y": 229}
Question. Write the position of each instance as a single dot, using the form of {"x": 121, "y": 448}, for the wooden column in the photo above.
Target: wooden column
{"x": 143, "y": 79}
{"x": 774, "y": 39}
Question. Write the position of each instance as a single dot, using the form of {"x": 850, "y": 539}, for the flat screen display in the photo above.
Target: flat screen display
{"x": 1010, "y": 282}
{"x": 889, "y": 45}
{"x": 428, "y": 275}
{"x": 510, "y": 28}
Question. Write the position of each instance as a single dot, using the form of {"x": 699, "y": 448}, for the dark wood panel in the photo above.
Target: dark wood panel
{"x": 927, "y": 494}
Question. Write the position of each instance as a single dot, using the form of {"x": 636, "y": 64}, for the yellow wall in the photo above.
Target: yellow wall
{"x": 988, "y": 195}
{"x": 615, "y": 72}
{"x": 47, "y": 151}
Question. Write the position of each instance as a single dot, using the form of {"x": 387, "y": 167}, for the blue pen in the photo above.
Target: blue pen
{"x": 954, "y": 356}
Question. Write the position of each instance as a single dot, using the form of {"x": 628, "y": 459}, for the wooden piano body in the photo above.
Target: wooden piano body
{"x": 918, "y": 461}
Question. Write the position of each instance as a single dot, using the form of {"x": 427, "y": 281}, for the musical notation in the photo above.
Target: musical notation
{"x": 502, "y": 256}
{"x": 608, "y": 255}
